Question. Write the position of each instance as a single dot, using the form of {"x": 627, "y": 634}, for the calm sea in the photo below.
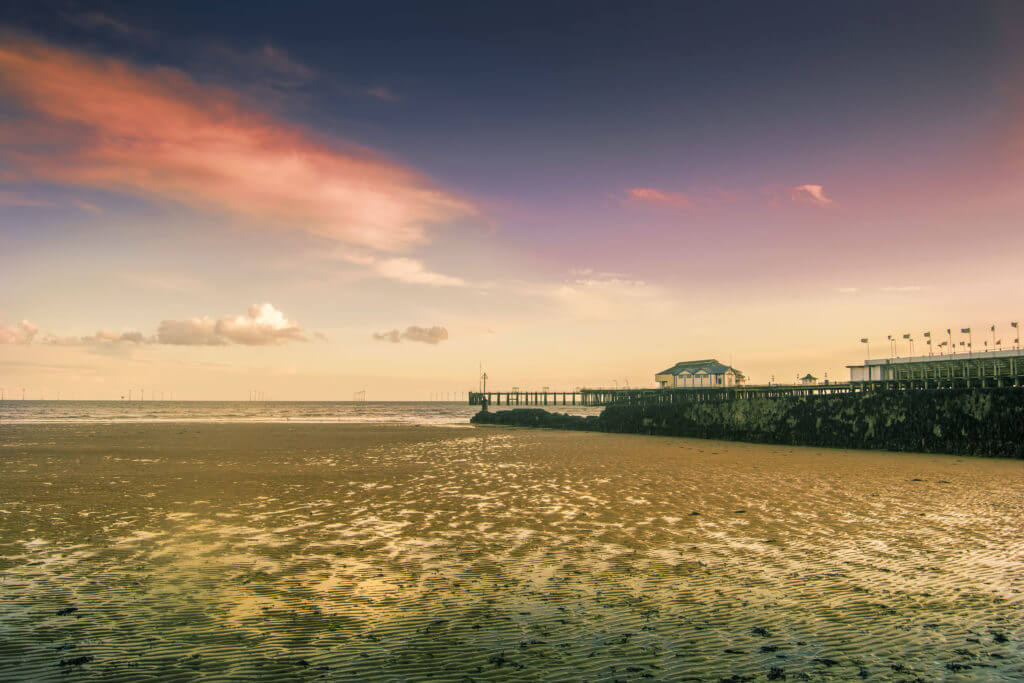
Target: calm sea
{"x": 393, "y": 412}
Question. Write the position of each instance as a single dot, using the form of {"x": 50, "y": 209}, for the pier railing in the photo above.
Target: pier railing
{"x": 603, "y": 397}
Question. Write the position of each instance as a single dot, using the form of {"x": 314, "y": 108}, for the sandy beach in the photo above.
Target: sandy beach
{"x": 398, "y": 552}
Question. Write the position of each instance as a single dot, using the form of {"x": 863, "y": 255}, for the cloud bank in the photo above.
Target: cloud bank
{"x": 262, "y": 325}
{"x": 22, "y": 333}
{"x": 155, "y": 132}
{"x": 425, "y": 335}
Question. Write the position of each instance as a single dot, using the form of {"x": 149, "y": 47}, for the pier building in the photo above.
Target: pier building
{"x": 699, "y": 373}
{"x": 983, "y": 369}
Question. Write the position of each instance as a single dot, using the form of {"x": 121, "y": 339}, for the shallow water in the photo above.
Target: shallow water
{"x": 357, "y": 412}
{"x": 343, "y": 551}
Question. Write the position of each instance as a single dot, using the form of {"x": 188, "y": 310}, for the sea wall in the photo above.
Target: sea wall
{"x": 986, "y": 422}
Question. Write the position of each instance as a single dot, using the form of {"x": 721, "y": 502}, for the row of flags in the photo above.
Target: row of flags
{"x": 949, "y": 331}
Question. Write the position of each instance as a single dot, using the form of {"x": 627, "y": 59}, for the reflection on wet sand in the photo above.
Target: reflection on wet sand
{"x": 403, "y": 552}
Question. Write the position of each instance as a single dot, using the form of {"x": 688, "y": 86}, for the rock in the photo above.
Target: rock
{"x": 535, "y": 417}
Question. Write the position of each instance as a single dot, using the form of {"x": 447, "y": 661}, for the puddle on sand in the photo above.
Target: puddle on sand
{"x": 279, "y": 551}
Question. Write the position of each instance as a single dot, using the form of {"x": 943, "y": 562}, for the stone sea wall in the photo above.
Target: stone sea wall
{"x": 987, "y": 422}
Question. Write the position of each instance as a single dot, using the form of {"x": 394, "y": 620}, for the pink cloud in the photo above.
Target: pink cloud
{"x": 648, "y": 194}
{"x": 157, "y": 133}
{"x": 810, "y": 194}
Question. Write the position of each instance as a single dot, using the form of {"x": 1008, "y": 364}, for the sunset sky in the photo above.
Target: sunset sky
{"x": 311, "y": 199}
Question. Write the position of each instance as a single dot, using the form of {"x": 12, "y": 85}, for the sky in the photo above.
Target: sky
{"x": 313, "y": 199}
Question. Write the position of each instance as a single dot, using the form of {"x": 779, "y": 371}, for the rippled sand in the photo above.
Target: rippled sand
{"x": 341, "y": 551}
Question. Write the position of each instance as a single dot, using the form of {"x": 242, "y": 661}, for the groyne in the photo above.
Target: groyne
{"x": 978, "y": 421}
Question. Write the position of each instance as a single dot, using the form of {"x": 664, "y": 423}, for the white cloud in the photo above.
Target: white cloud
{"x": 22, "y": 333}
{"x": 262, "y": 325}
{"x": 425, "y": 335}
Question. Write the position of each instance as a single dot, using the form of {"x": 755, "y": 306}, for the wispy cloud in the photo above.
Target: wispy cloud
{"x": 606, "y": 298}
{"x": 104, "y": 338}
{"x": 412, "y": 271}
{"x": 383, "y": 93}
{"x": 402, "y": 269}
{"x": 163, "y": 282}
{"x": 100, "y": 21}
{"x": 268, "y": 64}
{"x": 9, "y": 198}
{"x": 652, "y": 196}
{"x": 810, "y": 194}
{"x": 424, "y": 335}
{"x": 86, "y": 206}
{"x": 157, "y": 133}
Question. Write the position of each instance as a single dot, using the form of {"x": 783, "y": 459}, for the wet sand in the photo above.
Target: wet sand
{"x": 352, "y": 551}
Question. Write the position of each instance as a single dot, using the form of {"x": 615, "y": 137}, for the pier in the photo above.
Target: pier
{"x": 919, "y": 381}
{"x": 529, "y": 398}
{"x": 1003, "y": 368}
{"x": 603, "y": 397}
